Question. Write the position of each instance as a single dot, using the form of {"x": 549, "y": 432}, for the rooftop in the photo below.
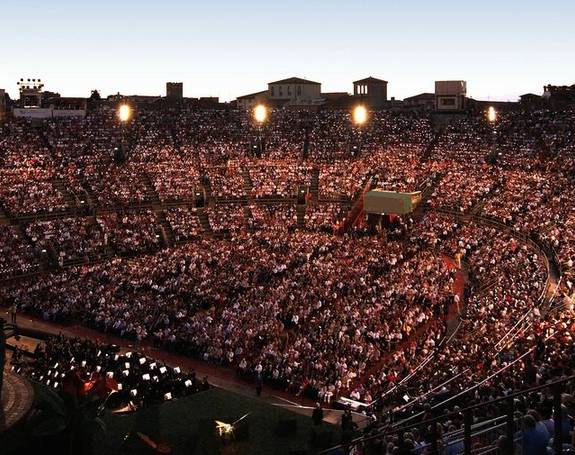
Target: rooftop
{"x": 295, "y": 80}
{"x": 368, "y": 80}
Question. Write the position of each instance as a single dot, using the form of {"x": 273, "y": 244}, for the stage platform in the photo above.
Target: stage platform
{"x": 17, "y": 400}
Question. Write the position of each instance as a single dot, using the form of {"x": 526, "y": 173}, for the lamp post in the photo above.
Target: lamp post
{"x": 260, "y": 116}
{"x": 492, "y": 119}
{"x": 359, "y": 117}
{"x": 124, "y": 114}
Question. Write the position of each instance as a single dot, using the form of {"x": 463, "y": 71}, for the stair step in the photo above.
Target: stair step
{"x": 166, "y": 228}
{"x": 205, "y": 222}
{"x": 300, "y": 214}
{"x": 153, "y": 195}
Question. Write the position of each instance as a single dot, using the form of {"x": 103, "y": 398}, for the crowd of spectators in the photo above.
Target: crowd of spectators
{"x": 184, "y": 223}
{"x": 72, "y": 239}
{"x": 130, "y": 233}
{"x": 30, "y": 191}
{"x": 17, "y": 257}
{"x": 313, "y": 313}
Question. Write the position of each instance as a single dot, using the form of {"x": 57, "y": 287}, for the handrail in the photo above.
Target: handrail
{"x": 396, "y": 428}
{"x": 460, "y": 439}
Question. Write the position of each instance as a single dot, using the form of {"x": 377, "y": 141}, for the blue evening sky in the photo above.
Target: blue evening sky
{"x": 223, "y": 48}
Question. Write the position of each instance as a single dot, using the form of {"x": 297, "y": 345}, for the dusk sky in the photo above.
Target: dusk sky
{"x": 221, "y": 48}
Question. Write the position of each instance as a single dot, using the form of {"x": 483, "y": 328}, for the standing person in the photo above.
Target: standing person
{"x": 13, "y": 311}
{"x": 259, "y": 384}
{"x": 317, "y": 414}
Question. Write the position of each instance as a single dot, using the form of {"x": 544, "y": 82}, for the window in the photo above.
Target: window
{"x": 273, "y": 91}
{"x": 289, "y": 90}
{"x": 299, "y": 90}
{"x": 281, "y": 90}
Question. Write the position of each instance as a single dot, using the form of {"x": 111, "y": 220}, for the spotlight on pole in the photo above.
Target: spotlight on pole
{"x": 493, "y": 156}
{"x": 359, "y": 117}
{"x": 260, "y": 116}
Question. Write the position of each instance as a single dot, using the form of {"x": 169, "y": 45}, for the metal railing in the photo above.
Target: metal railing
{"x": 467, "y": 433}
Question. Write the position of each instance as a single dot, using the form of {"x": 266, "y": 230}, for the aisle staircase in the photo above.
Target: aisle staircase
{"x": 300, "y": 215}
{"x": 153, "y": 195}
{"x": 166, "y": 230}
{"x": 314, "y": 184}
{"x": 248, "y": 182}
{"x": 205, "y": 222}
{"x": 431, "y": 146}
{"x": 355, "y": 215}
{"x": 71, "y": 200}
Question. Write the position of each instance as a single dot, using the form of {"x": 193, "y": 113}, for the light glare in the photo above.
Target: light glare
{"x": 491, "y": 114}
{"x": 124, "y": 112}
{"x": 359, "y": 115}
{"x": 260, "y": 113}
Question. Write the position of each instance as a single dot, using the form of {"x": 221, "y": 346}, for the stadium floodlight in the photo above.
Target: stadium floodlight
{"x": 124, "y": 112}
{"x": 359, "y": 115}
{"x": 491, "y": 114}
{"x": 260, "y": 113}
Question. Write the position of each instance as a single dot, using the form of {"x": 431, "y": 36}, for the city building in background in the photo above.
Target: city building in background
{"x": 450, "y": 96}
{"x": 295, "y": 90}
{"x": 559, "y": 95}
{"x": 371, "y": 91}
{"x": 423, "y": 101}
{"x": 35, "y": 103}
{"x": 250, "y": 100}
{"x": 175, "y": 90}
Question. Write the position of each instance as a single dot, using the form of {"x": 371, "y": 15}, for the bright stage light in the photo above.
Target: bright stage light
{"x": 491, "y": 114}
{"x": 260, "y": 113}
{"x": 359, "y": 115}
{"x": 124, "y": 112}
